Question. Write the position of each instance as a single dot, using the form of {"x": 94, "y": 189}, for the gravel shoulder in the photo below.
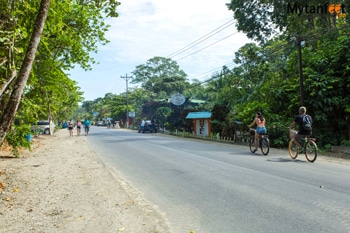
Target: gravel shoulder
{"x": 62, "y": 186}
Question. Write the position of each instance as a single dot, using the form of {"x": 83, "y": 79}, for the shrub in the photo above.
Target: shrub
{"x": 16, "y": 138}
{"x": 345, "y": 143}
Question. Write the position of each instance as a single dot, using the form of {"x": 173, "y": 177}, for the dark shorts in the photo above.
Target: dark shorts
{"x": 78, "y": 127}
{"x": 300, "y": 136}
{"x": 70, "y": 128}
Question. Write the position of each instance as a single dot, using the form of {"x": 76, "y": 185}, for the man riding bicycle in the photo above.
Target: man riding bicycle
{"x": 304, "y": 122}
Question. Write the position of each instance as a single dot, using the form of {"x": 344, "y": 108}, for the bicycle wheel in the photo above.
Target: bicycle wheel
{"x": 265, "y": 145}
{"x": 311, "y": 151}
{"x": 251, "y": 144}
{"x": 293, "y": 149}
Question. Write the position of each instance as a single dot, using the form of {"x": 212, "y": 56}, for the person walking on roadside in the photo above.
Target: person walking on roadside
{"x": 70, "y": 127}
{"x": 78, "y": 127}
{"x": 86, "y": 126}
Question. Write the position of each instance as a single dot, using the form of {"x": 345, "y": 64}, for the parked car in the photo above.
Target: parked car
{"x": 100, "y": 123}
{"x": 42, "y": 127}
{"x": 148, "y": 127}
{"x": 64, "y": 125}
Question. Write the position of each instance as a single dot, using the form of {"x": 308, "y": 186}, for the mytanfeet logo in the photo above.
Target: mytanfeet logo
{"x": 329, "y": 8}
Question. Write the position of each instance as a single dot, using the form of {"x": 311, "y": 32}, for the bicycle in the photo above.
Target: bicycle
{"x": 309, "y": 147}
{"x": 264, "y": 142}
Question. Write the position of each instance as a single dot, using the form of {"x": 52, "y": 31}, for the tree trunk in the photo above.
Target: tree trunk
{"x": 7, "y": 82}
{"x": 8, "y": 115}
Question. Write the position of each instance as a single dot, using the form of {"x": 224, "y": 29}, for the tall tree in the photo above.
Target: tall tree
{"x": 9, "y": 112}
{"x": 160, "y": 74}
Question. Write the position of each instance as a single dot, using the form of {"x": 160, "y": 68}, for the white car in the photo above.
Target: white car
{"x": 43, "y": 127}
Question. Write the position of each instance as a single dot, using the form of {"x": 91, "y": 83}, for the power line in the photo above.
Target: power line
{"x": 201, "y": 39}
{"x": 116, "y": 85}
{"x": 207, "y": 46}
{"x": 213, "y": 70}
{"x": 228, "y": 65}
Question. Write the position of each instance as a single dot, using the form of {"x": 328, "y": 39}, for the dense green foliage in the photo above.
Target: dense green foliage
{"x": 72, "y": 32}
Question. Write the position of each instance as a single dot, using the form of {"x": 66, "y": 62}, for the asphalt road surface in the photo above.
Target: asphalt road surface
{"x": 212, "y": 187}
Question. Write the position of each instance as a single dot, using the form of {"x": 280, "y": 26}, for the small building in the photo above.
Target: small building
{"x": 201, "y": 122}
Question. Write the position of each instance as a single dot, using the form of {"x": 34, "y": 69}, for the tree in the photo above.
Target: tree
{"x": 258, "y": 19}
{"x": 261, "y": 20}
{"x": 8, "y": 115}
{"x": 73, "y": 31}
{"x": 160, "y": 74}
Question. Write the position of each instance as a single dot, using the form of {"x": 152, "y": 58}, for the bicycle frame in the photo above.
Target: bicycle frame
{"x": 263, "y": 142}
{"x": 309, "y": 147}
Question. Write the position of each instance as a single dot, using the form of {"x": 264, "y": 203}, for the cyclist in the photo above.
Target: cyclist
{"x": 86, "y": 126}
{"x": 260, "y": 127}
{"x": 304, "y": 131}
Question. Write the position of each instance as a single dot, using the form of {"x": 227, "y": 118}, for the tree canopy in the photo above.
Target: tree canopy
{"x": 160, "y": 74}
{"x": 262, "y": 20}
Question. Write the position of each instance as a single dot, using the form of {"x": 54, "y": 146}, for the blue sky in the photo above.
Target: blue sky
{"x": 149, "y": 28}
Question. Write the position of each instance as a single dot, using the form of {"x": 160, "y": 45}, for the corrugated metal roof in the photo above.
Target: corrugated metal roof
{"x": 198, "y": 115}
{"x": 197, "y": 101}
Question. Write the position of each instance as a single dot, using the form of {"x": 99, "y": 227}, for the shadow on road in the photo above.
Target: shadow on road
{"x": 283, "y": 160}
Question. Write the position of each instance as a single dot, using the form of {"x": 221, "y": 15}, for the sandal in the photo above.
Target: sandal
{"x": 254, "y": 150}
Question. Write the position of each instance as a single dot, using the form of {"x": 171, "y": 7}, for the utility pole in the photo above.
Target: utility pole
{"x": 300, "y": 71}
{"x": 127, "y": 99}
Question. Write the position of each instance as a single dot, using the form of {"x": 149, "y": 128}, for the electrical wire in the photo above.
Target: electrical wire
{"x": 213, "y": 70}
{"x": 207, "y": 46}
{"x": 233, "y": 64}
{"x": 201, "y": 39}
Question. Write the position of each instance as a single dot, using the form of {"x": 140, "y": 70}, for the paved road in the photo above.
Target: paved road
{"x": 212, "y": 187}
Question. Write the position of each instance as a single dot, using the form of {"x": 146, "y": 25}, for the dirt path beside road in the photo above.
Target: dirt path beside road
{"x": 62, "y": 186}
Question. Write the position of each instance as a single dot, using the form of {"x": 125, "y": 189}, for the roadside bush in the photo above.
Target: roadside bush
{"x": 345, "y": 143}
{"x": 278, "y": 135}
{"x": 16, "y": 138}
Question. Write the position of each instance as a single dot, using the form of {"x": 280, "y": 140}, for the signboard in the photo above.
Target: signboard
{"x": 131, "y": 114}
{"x": 178, "y": 99}
{"x": 202, "y": 127}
